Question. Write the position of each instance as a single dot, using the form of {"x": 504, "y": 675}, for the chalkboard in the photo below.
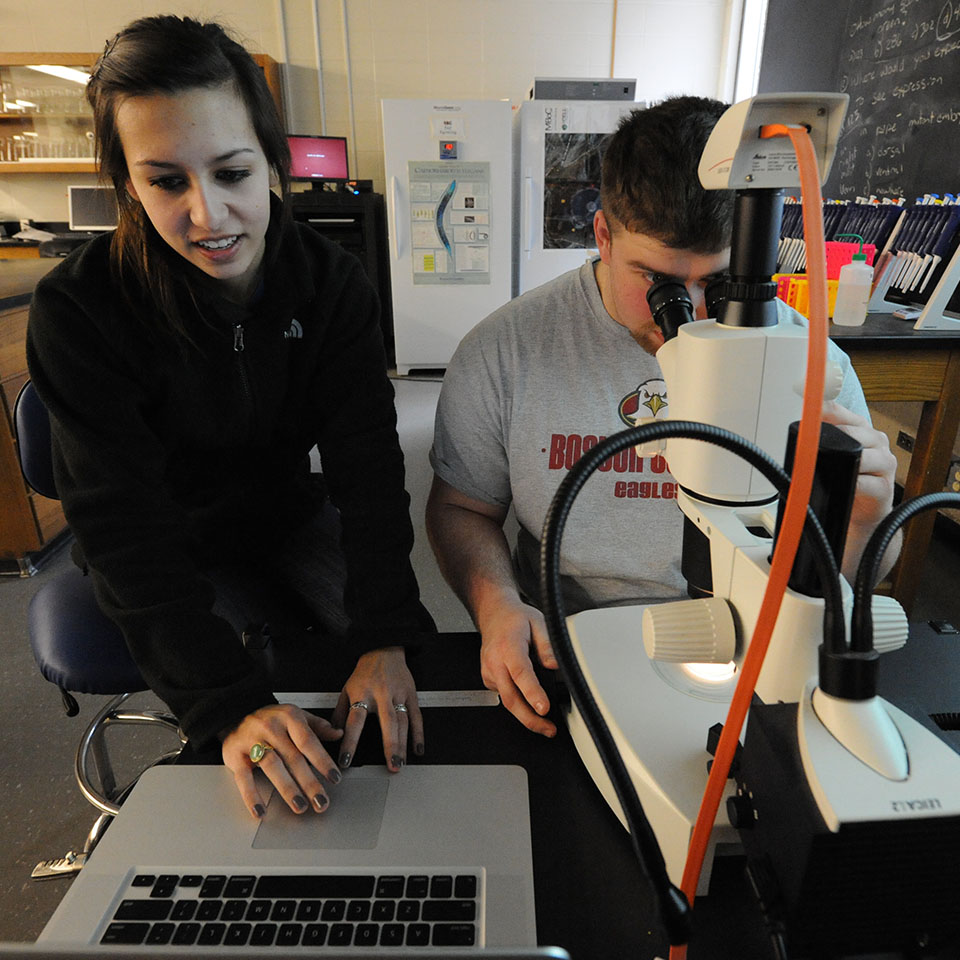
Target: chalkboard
{"x": 900, "y": 64}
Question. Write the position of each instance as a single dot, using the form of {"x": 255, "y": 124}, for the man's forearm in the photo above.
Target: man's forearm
{"x": 474, "y": 557}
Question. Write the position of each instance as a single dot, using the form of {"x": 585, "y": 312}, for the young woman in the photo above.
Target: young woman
{"x": 190, "y": 361}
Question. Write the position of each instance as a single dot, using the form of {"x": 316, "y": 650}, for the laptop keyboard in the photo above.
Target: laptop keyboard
{"x": 300, "y": 910}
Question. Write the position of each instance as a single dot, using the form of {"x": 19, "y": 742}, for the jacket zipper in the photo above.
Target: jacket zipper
{"x": 238, "y": 348}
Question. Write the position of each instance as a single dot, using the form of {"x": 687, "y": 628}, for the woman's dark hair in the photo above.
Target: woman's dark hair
{"x": 650, "y": 184}
{"x": 167, "y": 55}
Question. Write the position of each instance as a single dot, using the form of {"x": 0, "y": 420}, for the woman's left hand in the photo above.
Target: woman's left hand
{"x": 382, "y": 684}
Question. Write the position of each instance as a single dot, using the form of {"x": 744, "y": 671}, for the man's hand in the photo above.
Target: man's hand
{"x": 474, "y": 557}
{"x": 506, "y": 667}
{"x": 293, "y": 755}
{"x": 381, "y": 682}
{"x": 875, "y": 483}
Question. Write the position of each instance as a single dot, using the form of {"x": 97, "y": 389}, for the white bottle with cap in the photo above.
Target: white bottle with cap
{"x": 853, "y": 290}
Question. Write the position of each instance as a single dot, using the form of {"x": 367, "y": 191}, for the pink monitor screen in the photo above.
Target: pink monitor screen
{"x": 318, "y": 158}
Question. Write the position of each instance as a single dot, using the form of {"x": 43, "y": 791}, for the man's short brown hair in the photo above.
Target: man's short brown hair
{"x": 650, "y": 185}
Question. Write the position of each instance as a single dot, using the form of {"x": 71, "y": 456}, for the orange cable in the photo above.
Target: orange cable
{"x": 794, "y": 514}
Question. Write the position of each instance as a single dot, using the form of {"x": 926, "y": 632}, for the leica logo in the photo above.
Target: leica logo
{"x": 914, "y": 806}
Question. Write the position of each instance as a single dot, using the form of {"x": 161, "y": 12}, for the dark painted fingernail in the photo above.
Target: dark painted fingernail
{"x": 300, "y": 802}
{"x": 334, "y": 776}
{"x": 396, "y": 761}
{"x": 345, "y": 759}
{"x": 258, "y": 810}
{"x": 418, "y": 749}
{"x": 320, "y": 801}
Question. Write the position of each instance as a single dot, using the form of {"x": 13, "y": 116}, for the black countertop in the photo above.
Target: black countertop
{"x": 589, "y": 888}
{"x": 885, "y": 330}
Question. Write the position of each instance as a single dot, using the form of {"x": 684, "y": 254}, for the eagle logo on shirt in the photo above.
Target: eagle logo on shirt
{"x": 648, "y": 400}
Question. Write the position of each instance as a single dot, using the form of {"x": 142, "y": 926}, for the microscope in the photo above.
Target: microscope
{"x": 847, "y": 808}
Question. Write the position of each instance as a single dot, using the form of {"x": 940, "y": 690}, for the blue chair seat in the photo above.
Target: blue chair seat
{"x": 76, "y": 646}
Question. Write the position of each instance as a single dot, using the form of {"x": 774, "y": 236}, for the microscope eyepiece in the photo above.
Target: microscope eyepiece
{"x": 670, "y": 305}
{"x": 716, "y": 293}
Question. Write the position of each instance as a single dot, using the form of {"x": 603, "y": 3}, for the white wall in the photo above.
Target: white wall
{"x": 494, "y": 48}
{"x": 400, "y": 48}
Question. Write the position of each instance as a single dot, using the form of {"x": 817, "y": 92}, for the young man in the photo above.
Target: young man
{"x": 548, "y": 375}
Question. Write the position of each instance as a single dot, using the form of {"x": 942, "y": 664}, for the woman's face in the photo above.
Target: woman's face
{"x": 195, "y": 164}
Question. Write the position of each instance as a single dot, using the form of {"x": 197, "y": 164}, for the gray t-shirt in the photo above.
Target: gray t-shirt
{"x": 529, "y": 389}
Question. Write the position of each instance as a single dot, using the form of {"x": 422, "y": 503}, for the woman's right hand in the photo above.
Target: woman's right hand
{"x": 293, "y": 756}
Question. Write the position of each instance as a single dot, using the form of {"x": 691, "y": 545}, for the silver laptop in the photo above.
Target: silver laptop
{"x": 431, "y": 857}
{"x": 40, "y": 951}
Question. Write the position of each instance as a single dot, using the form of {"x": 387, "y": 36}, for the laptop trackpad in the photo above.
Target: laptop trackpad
{"x": 351, "y": 823}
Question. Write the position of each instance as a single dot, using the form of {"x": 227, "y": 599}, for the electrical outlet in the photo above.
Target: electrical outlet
{"x": 953, "y": 477}
{"x": 905, "y": 441}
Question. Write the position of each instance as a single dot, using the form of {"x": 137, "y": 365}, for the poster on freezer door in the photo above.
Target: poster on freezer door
{"x": 449, "y": 221}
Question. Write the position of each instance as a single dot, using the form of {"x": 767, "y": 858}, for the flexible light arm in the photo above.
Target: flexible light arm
{"x": 674, "y": 905}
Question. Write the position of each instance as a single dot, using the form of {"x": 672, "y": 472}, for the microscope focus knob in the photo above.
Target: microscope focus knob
{"x": 690, "y": 631}
{"x": 832, "y": 384}
{"x": 890, "y": 629}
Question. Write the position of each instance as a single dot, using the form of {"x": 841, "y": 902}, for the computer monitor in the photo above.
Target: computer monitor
{"x": 92, "y": 208}
{"x": 318, "y": 158}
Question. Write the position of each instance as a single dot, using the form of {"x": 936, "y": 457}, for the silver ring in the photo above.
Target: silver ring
{"x": 359, "y": 705}
{"x": 400, "y": 707}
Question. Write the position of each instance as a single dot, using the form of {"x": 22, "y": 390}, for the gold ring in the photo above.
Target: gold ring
{"x": 400, "y": 707}
{"x": 359, "y": 705}
{"x": 259, "y": 750}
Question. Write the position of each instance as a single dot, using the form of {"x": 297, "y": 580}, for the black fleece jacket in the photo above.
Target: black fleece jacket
{"x": 170, "y": 458}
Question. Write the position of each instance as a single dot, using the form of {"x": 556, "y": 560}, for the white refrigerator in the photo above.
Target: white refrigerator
{"x": 449, "y": 203}
{"x": 558, "y": 147}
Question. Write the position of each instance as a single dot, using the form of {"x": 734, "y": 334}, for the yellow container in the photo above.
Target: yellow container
{"x": 794, "y": 289}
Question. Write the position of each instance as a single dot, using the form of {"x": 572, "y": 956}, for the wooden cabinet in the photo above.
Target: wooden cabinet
{"x": 46, "y": 124}
{"x": 28, "y": 521}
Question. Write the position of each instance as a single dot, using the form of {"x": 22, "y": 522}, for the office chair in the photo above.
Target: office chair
{"x": 79, "y": 649}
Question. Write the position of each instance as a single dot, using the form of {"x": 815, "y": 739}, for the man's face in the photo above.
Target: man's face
{"x": 633, "y": 262}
